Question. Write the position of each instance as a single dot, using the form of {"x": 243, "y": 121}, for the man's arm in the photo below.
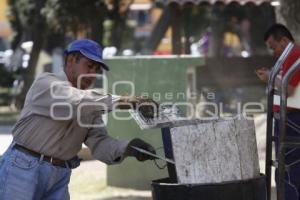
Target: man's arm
{"x": 104, "y": 147}
{"x": 50, "y": 96}
{"x": 263, "y": 74}
{"x": 111, "y": 150}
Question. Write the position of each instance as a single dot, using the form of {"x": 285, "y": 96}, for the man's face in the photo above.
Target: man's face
{"x": 79, "y": 66}
{"x": 277, "y": 46}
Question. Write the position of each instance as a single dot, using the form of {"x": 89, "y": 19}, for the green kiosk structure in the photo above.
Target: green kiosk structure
{"x": 165, "y": 79}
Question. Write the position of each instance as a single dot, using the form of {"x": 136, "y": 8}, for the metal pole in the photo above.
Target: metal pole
{"x": 270, "y": 98}
{"x": 282, "y": 125}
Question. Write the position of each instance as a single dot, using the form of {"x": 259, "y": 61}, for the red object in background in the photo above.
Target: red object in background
{"x": 162, "y": 53}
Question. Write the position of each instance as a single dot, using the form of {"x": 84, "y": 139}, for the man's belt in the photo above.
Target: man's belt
{"x": 53, "y": 161}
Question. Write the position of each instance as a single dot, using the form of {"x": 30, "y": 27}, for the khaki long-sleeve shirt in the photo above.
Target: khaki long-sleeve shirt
{"x": 57, "y": 118}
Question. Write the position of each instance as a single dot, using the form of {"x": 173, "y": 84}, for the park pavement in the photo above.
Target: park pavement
{"x": 5, "y": 137}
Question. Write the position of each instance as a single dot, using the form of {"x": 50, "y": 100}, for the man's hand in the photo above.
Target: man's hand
{"x": 138, "y": 155}
{"x": 128, "y": 102}
{"x": 146, "y": 106}
{"x": 263, "y": 74}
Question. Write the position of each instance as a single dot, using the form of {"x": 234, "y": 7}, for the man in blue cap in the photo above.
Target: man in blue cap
{"x": 60, "y": 113}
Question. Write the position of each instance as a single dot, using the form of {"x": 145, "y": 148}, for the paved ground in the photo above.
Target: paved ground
{"x": 5, "y": 137}
{"x": 88, "y": 182}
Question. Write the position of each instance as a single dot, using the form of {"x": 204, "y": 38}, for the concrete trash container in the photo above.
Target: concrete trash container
{"x": 215, "y": 160}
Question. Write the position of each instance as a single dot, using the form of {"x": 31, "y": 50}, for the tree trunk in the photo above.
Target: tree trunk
{"x": 288, "y": 14}
{"x": 187, "y": 27}
{"x": 217, "y": 28}
{"x": 119, "y": 16}
{"x": 29, "y": 75}
{"x": 116, "y": 33}
{"x": 38, "y": 38}
{"x": 176, "y": 24}
{"x": 158, "y": 32}
{"x": 97, "y": 28}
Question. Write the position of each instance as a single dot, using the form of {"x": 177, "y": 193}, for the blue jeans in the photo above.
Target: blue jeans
{"x": 24, "y": 177}
{"x": 292, "y": 157}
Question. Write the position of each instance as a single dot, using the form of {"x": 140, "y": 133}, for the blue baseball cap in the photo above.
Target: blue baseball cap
{"x": 89, "y": 49}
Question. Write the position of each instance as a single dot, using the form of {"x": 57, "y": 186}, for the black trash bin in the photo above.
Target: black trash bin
{"x": 252, "y": 189}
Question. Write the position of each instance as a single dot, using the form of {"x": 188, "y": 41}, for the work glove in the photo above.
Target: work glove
{"x": 137, "y": 154}
{"x": 147, "y": 107}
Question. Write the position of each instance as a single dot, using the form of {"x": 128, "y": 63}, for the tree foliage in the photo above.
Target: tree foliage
{"x": 75, "y": 16}
{"x": 35, "y": 20}
{"x": 88, "y": 16}
{"x": 24, "y": 15}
